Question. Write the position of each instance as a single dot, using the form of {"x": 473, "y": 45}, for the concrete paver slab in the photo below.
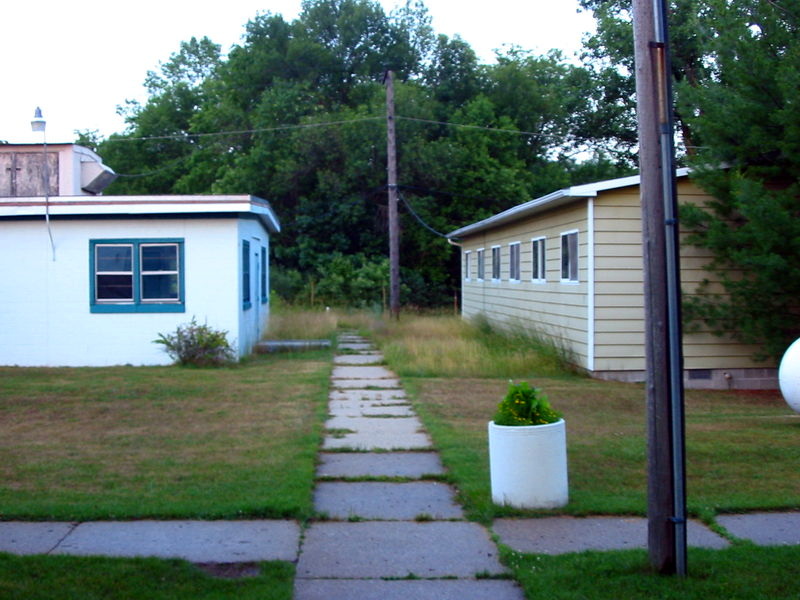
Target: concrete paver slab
{"x": 383, "y": 464}
{"x": 390, "y": 396}
{"x": 362, "y": 372}
{"x": 559, "y": 535}
{"x": 368, "y": 409}
{"x": 358, "y": 359}
{"x": 390, "y": 501}
{"x": 764, "y": 529}
{"x": 32, "y": 538}
{"x": 352, "y": 337}
{"x": 357, "y": 346}
{"x": 378, "y": 440}
{"x": 388, "y": 425}
{"x": 196, "y": 541}
{"x": 377, "y": 589}
{"x": 397, "y": 549}
{"x": 361, "y": 384}
{"x": 365, "y": 433}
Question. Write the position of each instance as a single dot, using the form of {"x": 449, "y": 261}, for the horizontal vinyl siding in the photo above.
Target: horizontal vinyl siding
{"x": 619, "y": 307}
{"x": 552, "y": 307}
{"x": 619, "y": 288}
{"x": 561, "y": 309}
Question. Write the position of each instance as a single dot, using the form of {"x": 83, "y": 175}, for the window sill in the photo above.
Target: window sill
{"x": 138, "y": 308}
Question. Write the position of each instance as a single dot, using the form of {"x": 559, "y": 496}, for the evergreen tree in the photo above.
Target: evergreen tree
{"x": 746, "y": 117}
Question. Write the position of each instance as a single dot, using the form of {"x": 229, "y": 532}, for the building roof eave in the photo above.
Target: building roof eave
{"x": 552, "y": 200}
{"x": 125, "y": 206}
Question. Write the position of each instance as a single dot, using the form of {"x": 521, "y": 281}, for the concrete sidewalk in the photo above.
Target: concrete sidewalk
{"x": 384, "y": 533}
{"x": 393, "y": 529}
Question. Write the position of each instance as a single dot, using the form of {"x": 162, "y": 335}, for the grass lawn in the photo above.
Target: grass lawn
{"x": 79, "y": 578}
{"x": 743, "y": 572}
{"x": 162, "y": 442}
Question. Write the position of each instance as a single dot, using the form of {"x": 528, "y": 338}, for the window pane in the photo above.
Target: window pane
{"x": 246, "y": 272}
{"x": 114, "y": 287}
{"x": 481, "y": 265}
{"x": 513, "y": 251}
{"x": 114, "y": 259}
{"x": 573, "y": 257}
{"x": 159, "y": 257}
{"x": 160, "y": 287}
{"x": 569, "y": 257}
{"x": 264, "y": 293}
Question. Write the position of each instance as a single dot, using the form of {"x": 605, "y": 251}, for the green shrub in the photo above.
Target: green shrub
{"x": 198, "y": 345}
{"x": 524, "y": 405}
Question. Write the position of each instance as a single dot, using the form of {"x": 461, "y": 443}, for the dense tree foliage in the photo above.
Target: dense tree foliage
{"x": 295, "y": 114}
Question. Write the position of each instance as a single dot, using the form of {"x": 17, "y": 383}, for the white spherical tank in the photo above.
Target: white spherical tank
{"x": 789, "y": 376}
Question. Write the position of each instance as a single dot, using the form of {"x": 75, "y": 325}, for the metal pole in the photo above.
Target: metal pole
{"x": 394, "y": 228}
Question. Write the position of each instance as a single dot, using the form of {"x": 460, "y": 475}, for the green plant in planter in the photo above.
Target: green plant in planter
{"x": 524, "y": 405}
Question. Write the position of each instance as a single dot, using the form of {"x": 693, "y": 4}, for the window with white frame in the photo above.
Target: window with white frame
{"x": 538, "y": 264}
{"x": 569, "y": 256}
{"x": 495, "y": 263}
{"x": 481, "y": 264}
{"x": 467, "y": 265}
{"x": 513, "y": 262}
{"x": 130, "y": 275}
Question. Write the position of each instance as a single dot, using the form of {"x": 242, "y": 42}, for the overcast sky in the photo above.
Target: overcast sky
{"x": 80, "y": 60}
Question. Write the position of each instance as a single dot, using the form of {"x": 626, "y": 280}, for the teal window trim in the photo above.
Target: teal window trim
{"x": 136, "y": 304}
{"x": 246, "y": 283}
{"x": 264, "y": 290}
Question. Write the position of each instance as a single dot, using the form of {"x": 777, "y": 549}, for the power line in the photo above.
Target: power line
{"x": 185, "y": 136}
{"x": 463, "y": 126}
{"x": 189, "y": 136}
{"x": 418, "y": 218}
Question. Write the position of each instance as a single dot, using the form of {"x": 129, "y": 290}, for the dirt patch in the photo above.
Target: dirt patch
{"x": 230, "y": 570}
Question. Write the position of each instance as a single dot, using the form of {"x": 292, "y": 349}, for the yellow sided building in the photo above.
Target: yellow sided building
{"x": 569, "y": 266}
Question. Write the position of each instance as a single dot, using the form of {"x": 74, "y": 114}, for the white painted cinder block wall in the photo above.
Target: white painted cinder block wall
{"x": 45, "y": 317}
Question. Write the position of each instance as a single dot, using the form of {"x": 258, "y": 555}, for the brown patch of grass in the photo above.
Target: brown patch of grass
{"x": 449, "y": 346}
{"x": 124, "y": 441}
{"x": 305, "y": 324}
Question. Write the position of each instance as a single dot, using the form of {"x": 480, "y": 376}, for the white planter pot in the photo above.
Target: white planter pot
{"x": 528, "y": 465}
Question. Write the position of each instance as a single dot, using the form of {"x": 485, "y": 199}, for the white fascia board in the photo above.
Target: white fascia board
{"x": 139, "y": 205}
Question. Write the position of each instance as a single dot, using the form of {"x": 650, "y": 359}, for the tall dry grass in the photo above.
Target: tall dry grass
{"x": 449, "y": 346}
{"x": 290, "y": 323}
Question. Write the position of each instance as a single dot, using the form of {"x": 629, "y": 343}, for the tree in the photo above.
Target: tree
{"x": 295, "y": 114}
{"x": 608, "y": 55}
{"x": 747, "y": 119}
{"x": 157, "y": 164}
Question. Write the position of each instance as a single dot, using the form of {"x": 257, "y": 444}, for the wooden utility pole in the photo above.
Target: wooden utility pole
{"x": 666, "y": 495}
{"x": 394, "y": 226}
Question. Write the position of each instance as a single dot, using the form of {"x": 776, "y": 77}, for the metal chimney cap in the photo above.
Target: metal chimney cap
{"x": 38, "y": 123}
